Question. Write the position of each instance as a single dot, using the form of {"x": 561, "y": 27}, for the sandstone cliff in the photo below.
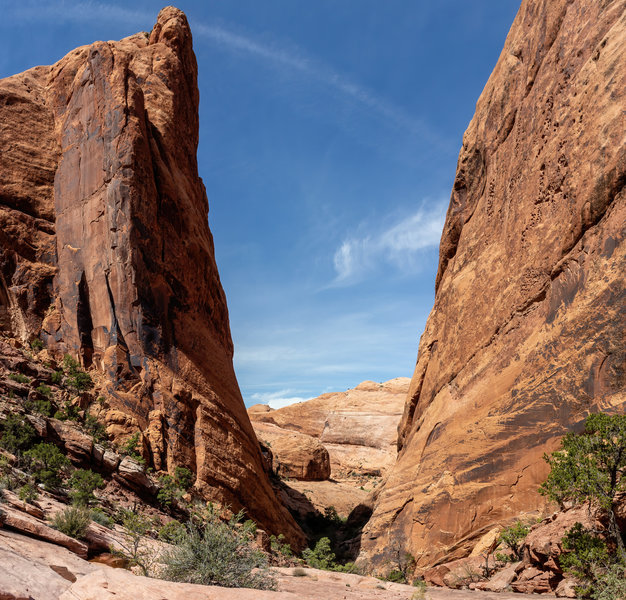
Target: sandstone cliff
{"x": 106, "y": 254}
{"x": 358, "y": 427}
{"x": 527, "y": 331}
{"x": 335, "y": 449}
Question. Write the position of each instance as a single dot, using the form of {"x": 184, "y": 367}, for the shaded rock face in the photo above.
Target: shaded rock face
{"x": 527, "y": 331}
{"x": 105, "y": 250}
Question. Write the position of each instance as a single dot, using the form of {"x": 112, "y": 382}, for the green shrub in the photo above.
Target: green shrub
{"x": 44, "y": 390}
{"x": 130, "y": 448}
{"x": 47, "y": 463}
{"x": 18, "y": 434}
{"x": 134, "y": 546}
{"x": 72, "y": 521}
{"x": 395, "y": 576}
{"x": 279, "y": 546}
{"x": 76, "y": 378}
{"x": 69, "y": 412}
{"x": 95, "y": 428}
{"x": 217, "y": 553}
{"x": 36, "y": 345}
{"x": 83, "y": 483}
{"x": 320, "y": 557}
{"x": 168, "y": 491}
{"x": 28, "y": 493}
{"x": 19, "y": 377}
{"x": 512, "y": 537}
{"x": 100, "y": 517}
{"x": 611, "y": 585}
{"x": 592, "y": 468}
{"x": 184, "y": 477}
{"x": 171, "y": 532}
{"x": 42, "y": 407}
{"x": 57, "y": 377}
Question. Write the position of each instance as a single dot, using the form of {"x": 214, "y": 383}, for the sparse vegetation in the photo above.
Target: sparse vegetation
{"x": 18, "y": 434}
{"x": 46, "y": 464}
{"x": 279, "y": 546}
{"x": 19, "y": 378}
{"x": 184, "y": 477}
{"x": 76, "y": 379}
{"x": 321, "y": 556}
{"x": 130, "y": 448}
{"x": 28, "y": 493}
{"x": 100, "y": 517}
{"x": 57, "y": 377}
{"x": 218, "y": 552}
{"x": 72, "y": 521}
{"x": 83, "y": 483}
{"x": 134, "y": 544}
{"x": 512, "y": 538}
{"x": 171, "y": 532}
{"x": 591, "y": 467}
{"x": 36, "y": 345}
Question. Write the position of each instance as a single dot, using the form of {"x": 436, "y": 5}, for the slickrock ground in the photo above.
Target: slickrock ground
{"x": 527, "y": 331}
{"x": 105, "y": 253}
{"x": 41, "y": 571}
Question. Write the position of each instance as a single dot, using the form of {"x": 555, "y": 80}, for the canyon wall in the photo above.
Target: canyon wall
{"x": 106, "y": 253}
{"x": 527, "y": 333}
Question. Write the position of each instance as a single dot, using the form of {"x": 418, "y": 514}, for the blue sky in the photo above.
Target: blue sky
{"x": 329, "y": 136}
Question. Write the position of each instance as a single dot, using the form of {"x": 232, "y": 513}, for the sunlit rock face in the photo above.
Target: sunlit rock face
{"x": 106, "y": 253}
{"x": 527, "y": 332}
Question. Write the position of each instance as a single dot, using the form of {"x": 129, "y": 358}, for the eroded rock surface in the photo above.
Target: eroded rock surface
{"x": 527, "y": 332}
{"x": 106, "y": 253}
{"x": 357, "y": 427}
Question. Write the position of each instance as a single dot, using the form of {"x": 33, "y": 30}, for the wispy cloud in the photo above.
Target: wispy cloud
{"x": 275, "y": 400}
{"x": 293, "y": 58}
{"x": 79, "y": 12}
{"x": 397, "y": 245}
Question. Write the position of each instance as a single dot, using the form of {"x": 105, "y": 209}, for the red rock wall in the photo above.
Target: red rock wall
{"x": 100, "y": 149}
{"x": 527, "y": 331}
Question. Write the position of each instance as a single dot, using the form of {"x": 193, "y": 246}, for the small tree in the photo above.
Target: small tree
{"x": 512, "y": 537}
{"x": 18, "y": 434}
{"x": 591, "y": 467}
{"x": 135, "y": 546}
{"x": 47, "y": 462}
{"x": 321, "y": 557}
{"x": 83, "y": 483}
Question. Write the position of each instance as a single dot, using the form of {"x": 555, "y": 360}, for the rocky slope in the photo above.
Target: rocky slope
{"x": 106, "y": 254}
{"x": 527, "y": 331}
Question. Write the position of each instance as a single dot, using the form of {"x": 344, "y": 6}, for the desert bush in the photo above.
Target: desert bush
{"x": 83, "y": 482}
{"x": 321, "y": 556}
{"x": 131, "y": 448}
{"x": 134, "y": 545}
{"x": 217, "y": 552}
{"x": 279, "y": 546}
{"x": 57, "y": 377}
{"x": 36, "y": 345}
{"x": 44, "y": 390}
{"x": 168, "y": 491}
{"x": 512, "y": 537}
{"x": 298, "y": 572}
{"x": 72, "y": 521}
{"x": 100, "y": 517}
{"x": 591, "y": 467}
{"x": 47, "y": 463}
{"x": 184, "y": 477}
{"x": 17, "y": 434}
{"x": 28, "y": 493}
{"x": 171, "y": 532}
{"x": 19, "y": 378}
{"x": 76, "y": 377}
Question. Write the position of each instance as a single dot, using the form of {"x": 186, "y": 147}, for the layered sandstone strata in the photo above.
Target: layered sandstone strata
{"x": 358, "y": 427}
{"x": 106, "y": 253}
{"x": 527, "y": 332}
